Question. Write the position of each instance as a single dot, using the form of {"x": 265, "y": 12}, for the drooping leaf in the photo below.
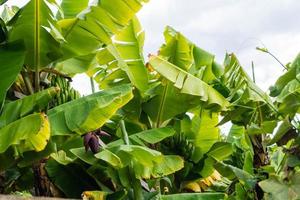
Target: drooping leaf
{"x": 25, "y": 137}
{"x": 127, "y": 51}
{"x": 88, "y": 113}
{"x": 97, "y": 24}
{"x": 249, "y": 102}
{"x": 110, "y": 158}
{"x": 188, "y": 83}
{"x": 243, "y": 176}
{"x": 85, "y": 156}
{"x": 187, "y": 56}
{"x": 36, "y": 26}
{"x": 27, "y": 105}
{"x": 10, "y": 68}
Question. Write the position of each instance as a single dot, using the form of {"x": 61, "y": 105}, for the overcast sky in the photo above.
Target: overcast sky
{"x": 221, "y": 26}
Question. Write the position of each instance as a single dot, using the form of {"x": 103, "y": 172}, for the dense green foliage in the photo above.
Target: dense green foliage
{"x": 152, "y": 131}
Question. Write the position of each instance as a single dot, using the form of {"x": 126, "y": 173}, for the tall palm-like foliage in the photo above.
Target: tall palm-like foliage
{"x": 152, "y": 131}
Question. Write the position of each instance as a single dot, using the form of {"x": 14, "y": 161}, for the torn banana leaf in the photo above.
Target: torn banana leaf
{"x": 88, "y": 113}
{"x": 188, "y": 83}
{"x": 125, "y": 54}
{"x": 95, "y": 26}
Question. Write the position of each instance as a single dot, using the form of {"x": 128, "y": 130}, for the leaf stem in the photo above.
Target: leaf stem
{"x": 92, "y": 85}
{"x": 135, "y": 183}
{"x": 27, "y": 82}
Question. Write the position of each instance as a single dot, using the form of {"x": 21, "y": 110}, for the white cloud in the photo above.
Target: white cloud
{"x": 230, "y": 26}
{"x": 219, "y": 26}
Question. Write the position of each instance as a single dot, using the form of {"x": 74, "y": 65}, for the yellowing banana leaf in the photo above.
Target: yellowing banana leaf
{"x": 28, "y": 133}
{"x": 188, "y": 83}
{"x": 22, "y": 107}
{"x": 10, "y": 68}
{"x": 96, "y": 25}
{"x": 36, "y": 26}
{"x": 88, "y": 113}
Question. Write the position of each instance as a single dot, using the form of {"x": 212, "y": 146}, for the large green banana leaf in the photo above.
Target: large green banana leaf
{"x": 204, "y": 131}
{"x": 189, "y": 84}
{"x": 126, "y": 51}
{"x": 88, "y": 113}
{"x": 186, "y": 55}
{"x": 147, "y": 162}
{"x": 17, "y": 109}
{"x": 36, "y": 26}
{"x": 95, "y": 27}
{"x": 28, "y": 133}
{"x": 72, "y": 8}
{"x": 167, "y": 103}
{"x": 10, "y": 68}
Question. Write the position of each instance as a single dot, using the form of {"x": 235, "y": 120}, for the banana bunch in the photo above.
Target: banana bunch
{"x": 180, "y": 145}
{"x": 66, "y": 94}
{"x": 202, "y": 185}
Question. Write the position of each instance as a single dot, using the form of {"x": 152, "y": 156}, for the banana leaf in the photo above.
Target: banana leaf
{"x": 36, "y": 25}
{"x": 25, "y": 137}
{"x": 96, "y": 25}
{"x": 189, "y": 57}
{"x": 150, "y": 136}
{"x": 127, "y": 51}
{"x": 189, "y": 84}
{"x": 17, "y": 109}
{"x": 204, "y": 132}
{"x": 10, "y": 68}
{"x": 88, "y": 113}
{"x": 72, "y": 8}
